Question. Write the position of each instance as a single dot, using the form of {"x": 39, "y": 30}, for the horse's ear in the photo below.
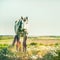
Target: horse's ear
{"x": 27, "y": 18}
{"x": 15, "y": 21}
{"x": 21, "y": 17}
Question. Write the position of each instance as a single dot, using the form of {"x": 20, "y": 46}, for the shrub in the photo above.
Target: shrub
{"x": 56, "y": 44}
{"x": 3, "y": 46}
{"x": 58, "y": 57}
{"x": 33, "y": 43}
{"x": 52, "y": 55}
{"x": 41, "y": 44}
{"x": 5, "y": 54}
{"x": 48, "y": 56}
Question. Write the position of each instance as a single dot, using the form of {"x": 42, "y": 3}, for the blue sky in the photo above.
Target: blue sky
{"x": 44, "y": 16}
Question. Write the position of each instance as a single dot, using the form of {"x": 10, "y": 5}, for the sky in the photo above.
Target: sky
{"x": 44, "y": 16}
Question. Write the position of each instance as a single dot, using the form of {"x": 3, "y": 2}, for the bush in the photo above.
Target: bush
{"x": 48, "y": 56}
{"x": 56, "y": 44}
{"x": 41, "y": 44}
{"x": 3, "y": 46}
{"x": 5, "y": 54}
{"x": 52, "y": 55}
{"x": 33, "y": 43}
{"x": 58, "y": 57}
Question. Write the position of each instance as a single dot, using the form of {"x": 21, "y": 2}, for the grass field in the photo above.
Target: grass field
{"x": 38, "y": 48}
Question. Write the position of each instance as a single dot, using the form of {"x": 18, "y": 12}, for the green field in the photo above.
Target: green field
{"x": 38, "y": 48}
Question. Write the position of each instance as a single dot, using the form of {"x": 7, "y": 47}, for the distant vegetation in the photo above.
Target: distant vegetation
{"x": 2, "y": 37}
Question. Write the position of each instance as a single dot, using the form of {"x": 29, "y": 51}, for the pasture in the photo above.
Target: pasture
{"x": 38, "y": 48}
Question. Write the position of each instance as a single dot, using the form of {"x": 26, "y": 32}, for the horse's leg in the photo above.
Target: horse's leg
{"x": 14, "y": 41}
{"x": 24, "y": 43}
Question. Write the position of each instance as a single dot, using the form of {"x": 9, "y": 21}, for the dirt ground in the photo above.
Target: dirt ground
{"x": 44, "y": 41}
